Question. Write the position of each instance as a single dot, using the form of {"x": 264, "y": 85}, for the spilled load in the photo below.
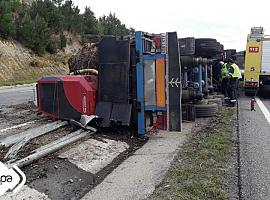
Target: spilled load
{"x": 86, "y": 58}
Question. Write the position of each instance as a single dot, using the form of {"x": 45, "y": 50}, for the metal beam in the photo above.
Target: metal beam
{"x": 50, "y": 148}
{"x": 32, "y": 133}
{"x": 140, "y": 83}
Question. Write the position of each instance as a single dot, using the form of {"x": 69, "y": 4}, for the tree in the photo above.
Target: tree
{"x": 89, "y": 22}
{"x": 47, "y": 10}
{"x": 111, "y": 25}
{"x": 40, "y": 25}
{"x": 34, "y": 33}
{"x": 41, "y": 35}
{"x": 57, "y": 2}
{"x": 25, "y": 28}
{"x": 7, "y": 26}
{"x": 63, "y": 41}
{"x": 131, "y": 31}
{"x": 73, "y": 19}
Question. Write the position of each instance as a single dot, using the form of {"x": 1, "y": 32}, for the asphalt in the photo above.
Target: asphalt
{"x": 16, "y": 94}
{"x": 254, "y": 132}
{"x": 137, "y": 176}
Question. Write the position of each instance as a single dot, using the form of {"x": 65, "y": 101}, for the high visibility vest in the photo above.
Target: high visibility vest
{"x": 234, "y": 71}
{"x": 224, "y": 71}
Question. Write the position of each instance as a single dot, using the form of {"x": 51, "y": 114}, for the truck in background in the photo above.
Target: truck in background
{"x": 257, "y": 62}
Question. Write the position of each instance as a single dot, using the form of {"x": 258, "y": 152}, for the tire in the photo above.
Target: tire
{"x": 187, "y": 61}
{"x": 187, "y": 46}
{"x": 206, "y": 110}
{"x": 206, "y": 47}
{"x": 230, "y": 53}
{"x": 220, "y": 96}
{"x": 218, "y": 101}
{"x": 220, "y": 48}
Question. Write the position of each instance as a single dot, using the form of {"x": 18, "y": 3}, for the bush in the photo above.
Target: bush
{"x": 54, "y": 45}
{"x": 63, "y": 41}
{"x": 7, "y": 25}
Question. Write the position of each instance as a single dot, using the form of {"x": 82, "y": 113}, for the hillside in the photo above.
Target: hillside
{"x": 29, "y": 28}
{"x": 21, "y": 65}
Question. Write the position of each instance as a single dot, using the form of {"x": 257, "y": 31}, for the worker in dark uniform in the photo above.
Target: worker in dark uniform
{"x": 224, "y": 79}
{"x": 234, "y": 74}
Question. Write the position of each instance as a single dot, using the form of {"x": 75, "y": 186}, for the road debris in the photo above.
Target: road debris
{"x": 32, "y": 133}
{"x": 101, "y": 153}
{"x": 86, "y": 58}
{"x": 50, "y": 148}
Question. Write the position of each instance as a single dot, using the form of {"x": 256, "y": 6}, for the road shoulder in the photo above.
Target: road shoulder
{"x": 206, "y": 167}
{"x": 137, "y": 176}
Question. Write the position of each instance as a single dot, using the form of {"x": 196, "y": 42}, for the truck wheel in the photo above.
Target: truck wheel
{"x": 220, "y": 96}
{"x": 206, "y": 110}
{"x": 206, "y": 46}
{"x": 218, "y": 101}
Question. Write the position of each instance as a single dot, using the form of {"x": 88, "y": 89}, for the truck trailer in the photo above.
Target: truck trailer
{"x": 257, "y": 62}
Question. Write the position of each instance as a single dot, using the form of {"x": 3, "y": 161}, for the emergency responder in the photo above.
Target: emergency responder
{"x": 234, "y": 75}
{"x": 224, "y": 79}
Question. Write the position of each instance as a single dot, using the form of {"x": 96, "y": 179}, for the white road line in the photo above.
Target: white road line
{"x": 18, "y": 126}
{"x": 263, "y": 109}
{"x": 16, "y": 90}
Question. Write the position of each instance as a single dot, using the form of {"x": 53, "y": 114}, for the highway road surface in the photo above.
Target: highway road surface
{"x": 17, "y": 94}
{"x": 254, "y": 132}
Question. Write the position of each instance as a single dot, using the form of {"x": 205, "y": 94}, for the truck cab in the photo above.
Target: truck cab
{"x": 257, "y": 61}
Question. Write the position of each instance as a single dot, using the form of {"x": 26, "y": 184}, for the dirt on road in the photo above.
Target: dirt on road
{"x": 59, "y": 178}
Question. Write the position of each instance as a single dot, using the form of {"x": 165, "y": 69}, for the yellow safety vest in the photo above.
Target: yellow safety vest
{"x": 224, "y": 71}
{"x": 236, "y": 71}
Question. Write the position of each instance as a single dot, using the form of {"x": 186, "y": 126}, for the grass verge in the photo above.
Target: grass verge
{"x": 13, "y": 82}
{"x": 201, "y": 170}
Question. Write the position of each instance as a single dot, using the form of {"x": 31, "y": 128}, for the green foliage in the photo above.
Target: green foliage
{"x": 111, "y": 25}
{"x": 7, "y": 26}
{"x": 73, "y": 21}
{"x": 63, "y": 41}
{"x": 53, "y": 45}
{"x": 40, "y": 25}
{"x": 89, "y": 22}
{"x": 132, "y": 31}
{"x": 34, "y": 33}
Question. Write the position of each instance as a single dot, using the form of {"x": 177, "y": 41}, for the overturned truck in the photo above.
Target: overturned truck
{"x": 200, "y": 70}
{"x": 129, "y": 90}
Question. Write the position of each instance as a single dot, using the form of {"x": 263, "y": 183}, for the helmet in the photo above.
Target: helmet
{"x": 221, "y": 63}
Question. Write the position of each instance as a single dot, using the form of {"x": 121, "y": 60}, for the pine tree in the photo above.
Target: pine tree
{"x": 34, "y": 33}
{"x": 41, "y": 35}
{"x": 40, "y": 24}
{"x": 111, "y": 25}
{"x": 7, "y": 26}
{"x": 89, "y": 21}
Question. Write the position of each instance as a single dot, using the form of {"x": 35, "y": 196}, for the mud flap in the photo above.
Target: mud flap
{"x": 113, "y": 94}
{"x": 103, "y": 111}
{"x": 174, "y": 87}
{"x": 121, "y": 114}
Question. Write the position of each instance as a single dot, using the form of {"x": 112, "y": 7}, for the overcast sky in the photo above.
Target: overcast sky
{"x": 228, "y": 21}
